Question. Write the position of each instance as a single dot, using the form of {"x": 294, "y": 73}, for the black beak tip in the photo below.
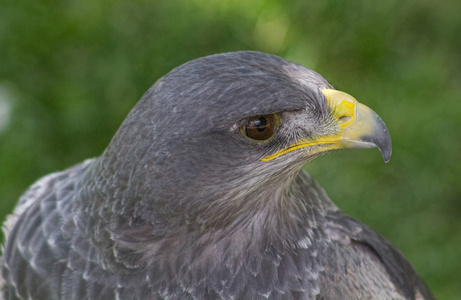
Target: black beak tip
{"x": 384, "y": 144}
{"x": 386, "y": 153}
{"x": 382, "y": 140}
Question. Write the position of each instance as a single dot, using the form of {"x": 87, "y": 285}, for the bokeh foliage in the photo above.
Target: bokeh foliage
{"x": 71, "y": 70}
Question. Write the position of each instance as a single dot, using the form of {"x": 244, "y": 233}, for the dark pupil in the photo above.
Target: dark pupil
{"x": 261, "y": 124}
{"x": 260, "y": 127}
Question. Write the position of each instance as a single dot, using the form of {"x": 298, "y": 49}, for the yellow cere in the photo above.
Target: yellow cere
{"x": 342, "y": 107}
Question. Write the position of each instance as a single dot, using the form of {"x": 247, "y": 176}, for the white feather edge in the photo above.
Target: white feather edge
{"x": 25, "y": 201}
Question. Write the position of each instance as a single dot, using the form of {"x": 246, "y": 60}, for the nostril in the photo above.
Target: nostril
{"x": 344, "y": 119}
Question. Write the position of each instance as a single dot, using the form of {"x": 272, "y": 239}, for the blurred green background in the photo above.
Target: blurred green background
{"x": 70, "y": 71}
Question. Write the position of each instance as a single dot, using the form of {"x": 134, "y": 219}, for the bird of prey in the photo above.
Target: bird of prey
{"x": 201, "y": 195}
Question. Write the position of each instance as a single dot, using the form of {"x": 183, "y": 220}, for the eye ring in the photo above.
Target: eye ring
{"x": 260, "y": 128}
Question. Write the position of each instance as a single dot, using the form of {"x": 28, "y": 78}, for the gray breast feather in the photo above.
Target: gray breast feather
{"x": 46, "y": 258}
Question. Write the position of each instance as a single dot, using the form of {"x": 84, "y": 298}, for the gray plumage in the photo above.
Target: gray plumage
{"x": 181, "y": 206}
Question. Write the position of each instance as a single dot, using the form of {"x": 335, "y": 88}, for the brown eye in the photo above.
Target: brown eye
{"x": 260, "y": 128}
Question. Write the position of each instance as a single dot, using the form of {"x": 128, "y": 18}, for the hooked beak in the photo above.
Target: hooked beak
{"x": 359, "y": 127}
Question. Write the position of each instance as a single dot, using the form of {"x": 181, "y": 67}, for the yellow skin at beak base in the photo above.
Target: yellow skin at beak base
{"x": 354, "y": 120}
